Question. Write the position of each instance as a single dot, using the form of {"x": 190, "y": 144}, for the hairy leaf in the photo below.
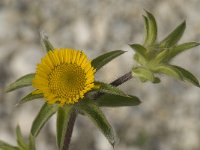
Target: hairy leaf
{"x": 20, "y": 139}
{"x": 6, "y": 146}
{"x": 32, "y": 142}
{"x": 21, "y": 82}
{"x": 143, "y": 73}
{"x": 109, "y": 100}
{"x": 63, "y": 116}
{"x": 45, "y": 42}
{"x": 168, "y": 70}
{"x": 96, "y": 115}
{"x": 187, "y": 76}
{"x": 42, "y": 117}
{"x": 107, "y": 88}
{"x": 31, "y": 96}
{"x": 151, "y": 29}
{"x": 102, "y": 60}
{"x": 181, "y": 48}
{"x": 174, "y": 36}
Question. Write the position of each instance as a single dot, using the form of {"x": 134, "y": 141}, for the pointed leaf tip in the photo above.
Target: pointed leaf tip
{"x": 24, "y": 81}
{"x": 47, "y": 46}
{"x": 151, "y": 29}
{"x": 173, "y": 38}
{"x": 96, "y": 115}
{"x": 102, "y": 60}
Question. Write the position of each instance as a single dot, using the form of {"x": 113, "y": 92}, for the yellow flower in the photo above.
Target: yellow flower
{"x": 64, "y": 76}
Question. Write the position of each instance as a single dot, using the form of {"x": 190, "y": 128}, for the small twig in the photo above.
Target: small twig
{"x": 73, "y": 116}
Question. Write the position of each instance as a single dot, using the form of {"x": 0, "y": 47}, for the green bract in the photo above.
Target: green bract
{"x": 153, "y": 57}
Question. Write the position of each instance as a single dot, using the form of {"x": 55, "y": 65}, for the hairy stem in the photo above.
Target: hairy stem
{"x": 73, "y": 116}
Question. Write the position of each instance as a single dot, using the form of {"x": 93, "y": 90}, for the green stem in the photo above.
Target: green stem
{"x": 73, "y": 116}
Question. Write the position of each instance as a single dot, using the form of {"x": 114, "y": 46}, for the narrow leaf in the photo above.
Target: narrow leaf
{"x": 168, "y": 70}
{"x": 151, "y": 29}
{"x": 43, "y": 116}
{"x": 187, "y": 76}
{"x": 32, "y": 142}
{"x": 107, "y": 88}
{"x": 20, "y": 139}
{"x": 96, "y": 115}
{"x": 21, "y": 82}
{"x": 181, "y": 48}
{"x": 63, "y": 116}
{"x": 143, "y": 73}
{"x": 139, "y": 49}
{"x": 31, "y": 96}
{"x": 6, "y": 146}
{"x": 102, "y": 60}
{"x": 174, "y": 36}
{"x": 45, "y": 42}
{"x": 109, "y": 100}
{"x": 161, "y": 56}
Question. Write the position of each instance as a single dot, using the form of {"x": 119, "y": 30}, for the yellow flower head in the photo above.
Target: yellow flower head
{"x": 64, "y": 76}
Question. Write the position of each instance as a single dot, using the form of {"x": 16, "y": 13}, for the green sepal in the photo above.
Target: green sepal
{"x": 42, "y": 117}
{"x": 143, "y": 73}
{"x": 63, "y": 115}
{"x": 180, "y": 48}
{"x": 174, "y": 36}
{"x": 6, "y": 146}
{"x": 109, "y": 100}
{"x": 31, "y": 142}
{"x": 151, "y": 29}
{"x": 168, "y": 70}
{"x": 31, "y": 96}
{"x": 187, "y": 76}
{"x": 102, "y": 60}
{"x": 91, "y": 109}
{"x": 20, "y": 139}
{"x": 108, "y": 88}
{"x": 21, "y": 82}
{"x": 47, "y": 46}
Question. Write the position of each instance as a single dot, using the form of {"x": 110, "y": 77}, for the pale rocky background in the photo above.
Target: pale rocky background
{"x": 169, "y": 116}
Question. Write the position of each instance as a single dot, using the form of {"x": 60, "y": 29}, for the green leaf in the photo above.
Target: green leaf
{"x": 43, "y": 116}
{"x": 31, "y": 96}
{"x": 174, "y": 36}
{"x": 109, "y": 100}
{"x": 139, "y": 59}
{"x": 139, "y": 49}
{"x": 96, "y": 115}
{"x": 21, "y": 82}
{"x": 143, "y": 73}
{"x": 20, "y": 139}
{"x": 32, "y": 142}
{"x": 181, "y": 48}
{"x": 168, "y": 70}
{"x": 107, "y": 88}
{"x": 187, "y": 76}
{"x": 151, "y": 29}
{"x": 161, "y": 56}
{"x": 6, "y": 146}
{"x": 63, "y": 116}
{"x": 45, "y": 42}
{"x": 102, "y": 60}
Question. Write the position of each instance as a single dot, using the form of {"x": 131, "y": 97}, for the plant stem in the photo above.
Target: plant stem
{"x": 73, "y": 116}
{"x": 69, "y": 131}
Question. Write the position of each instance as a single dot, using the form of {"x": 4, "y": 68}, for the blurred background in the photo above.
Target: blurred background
{"x": 169, "y": 116}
